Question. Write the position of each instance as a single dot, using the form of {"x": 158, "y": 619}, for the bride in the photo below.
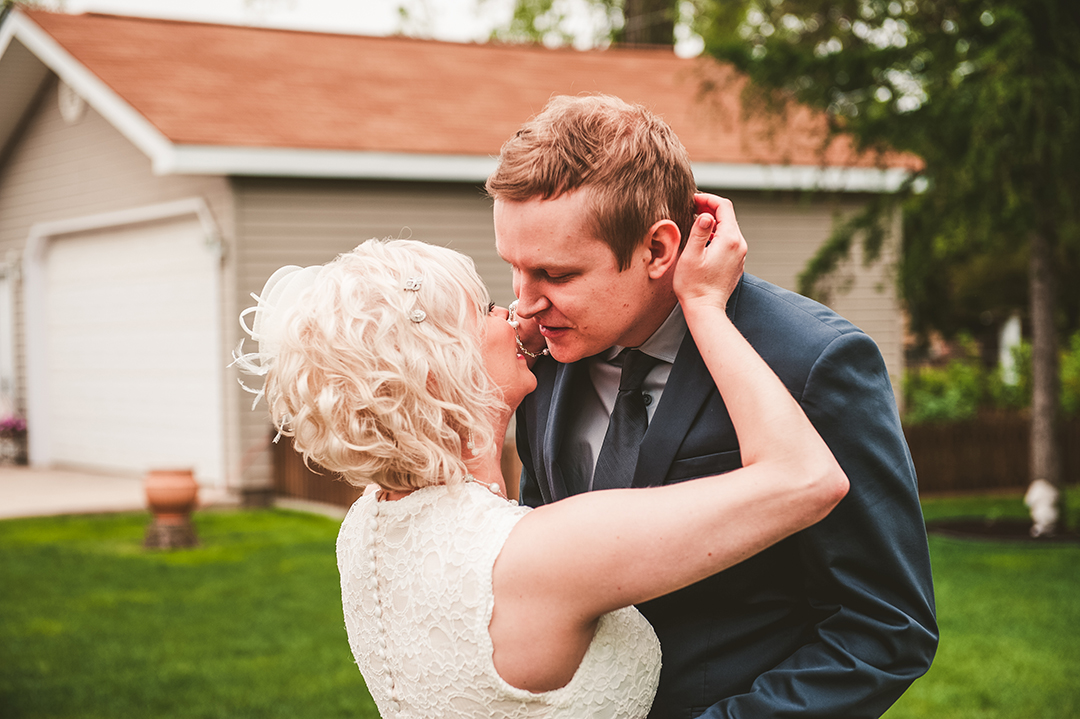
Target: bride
{"x": 390, "y": 367}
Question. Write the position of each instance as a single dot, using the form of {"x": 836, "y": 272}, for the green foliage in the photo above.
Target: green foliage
{"x": 985, "y": 92}
{"x": 813, "y": 281}
{"x": 1070, "y": 377}
{"x": 593, "y": 23}
{"x": 1012, "y": 396}
{"x": 8, "y": 5}
{"x": 949, "y": 394}
{"x": 552, "y": 22}
{"x": 248, "y": 624}
{"x": 965, "y": 386}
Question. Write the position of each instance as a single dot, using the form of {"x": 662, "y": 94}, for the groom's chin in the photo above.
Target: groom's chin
{"x": 565, "y": 355}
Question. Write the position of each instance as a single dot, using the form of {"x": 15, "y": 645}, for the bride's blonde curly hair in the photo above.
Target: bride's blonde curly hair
{"x": 378, "y": 373}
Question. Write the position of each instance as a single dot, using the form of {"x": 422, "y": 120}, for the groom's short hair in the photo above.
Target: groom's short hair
{"x": 629, "y": 160}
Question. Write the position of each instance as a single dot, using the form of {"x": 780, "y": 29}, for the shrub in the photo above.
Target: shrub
{"x": 1070, "y": 378}
{"x": 965, "y": 386}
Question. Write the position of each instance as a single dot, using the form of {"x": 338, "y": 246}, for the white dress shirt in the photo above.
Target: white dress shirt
{"x": 589, "y": 423}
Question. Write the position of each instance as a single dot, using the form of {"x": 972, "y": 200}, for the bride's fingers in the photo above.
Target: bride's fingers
{"x": 727, "y": 227}
{"x": 701, "y": 233}
{"x": 705, "y": 203}
{"x": 713, "y": 259}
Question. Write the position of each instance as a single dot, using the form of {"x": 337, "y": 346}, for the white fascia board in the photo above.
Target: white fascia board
{"x": 281, "y": 162}
{"x": 798, "y": 177}
{"x": 7, "y": 31}
{"x": 284, "y": 162}
{"x": 100, "y": 96}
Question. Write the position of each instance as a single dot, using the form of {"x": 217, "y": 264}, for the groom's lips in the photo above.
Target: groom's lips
{"x": 553, "y": 332}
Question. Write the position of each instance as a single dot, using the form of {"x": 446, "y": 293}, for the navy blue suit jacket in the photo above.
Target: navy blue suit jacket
{"x": 833, "y": 622}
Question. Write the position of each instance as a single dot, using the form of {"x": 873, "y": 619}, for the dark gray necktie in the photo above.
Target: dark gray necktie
{"x": 629, "y": 420}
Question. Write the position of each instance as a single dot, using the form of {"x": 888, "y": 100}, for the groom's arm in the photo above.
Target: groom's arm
{"x": 867, "y": 563}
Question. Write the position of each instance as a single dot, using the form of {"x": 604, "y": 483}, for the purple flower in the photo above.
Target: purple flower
{"x": 12, "y": 426}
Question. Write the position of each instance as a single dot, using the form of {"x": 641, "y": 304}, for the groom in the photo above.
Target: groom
{"x": 833, "y": 622}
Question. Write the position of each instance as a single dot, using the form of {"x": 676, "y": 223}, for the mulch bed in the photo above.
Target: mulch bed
{"x": 1014, "y": 530}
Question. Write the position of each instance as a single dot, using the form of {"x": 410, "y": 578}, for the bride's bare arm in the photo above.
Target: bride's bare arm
{"x": 567, "y": 563}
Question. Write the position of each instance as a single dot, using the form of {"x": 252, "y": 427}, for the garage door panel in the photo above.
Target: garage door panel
{"x": 134, "y": 359}
{"x": 111, "y": 348}
{"x": 160, "y": 305}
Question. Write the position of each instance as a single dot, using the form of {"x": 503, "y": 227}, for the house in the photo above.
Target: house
{"x": 154, "y": 173}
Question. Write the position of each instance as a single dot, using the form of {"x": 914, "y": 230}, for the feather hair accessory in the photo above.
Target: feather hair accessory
{"x": 274, "y": 305}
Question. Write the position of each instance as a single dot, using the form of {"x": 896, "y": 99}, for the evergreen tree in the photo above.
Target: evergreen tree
{"x": 987, "y": 93}
{"x": 628, "y": 22}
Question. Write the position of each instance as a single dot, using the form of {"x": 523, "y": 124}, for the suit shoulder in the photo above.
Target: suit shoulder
{"x": 765, "y": 307}
{"x": 792, "y": 332}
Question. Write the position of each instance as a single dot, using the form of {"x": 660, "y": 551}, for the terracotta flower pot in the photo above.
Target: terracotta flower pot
{"x": 172, "y": 495}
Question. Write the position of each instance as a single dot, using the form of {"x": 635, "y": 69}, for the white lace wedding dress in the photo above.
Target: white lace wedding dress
{"x": 416, "y": 591}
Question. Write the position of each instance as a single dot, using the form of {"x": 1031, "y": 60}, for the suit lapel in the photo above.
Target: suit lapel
{"x": 687, "y": 388}
{"x": 558, "y": 419}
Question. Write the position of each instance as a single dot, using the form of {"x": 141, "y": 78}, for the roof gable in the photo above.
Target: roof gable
{"x": 205, "y": 93}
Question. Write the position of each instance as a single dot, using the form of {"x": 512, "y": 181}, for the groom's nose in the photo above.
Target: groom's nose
{"x": 529, "y": 301}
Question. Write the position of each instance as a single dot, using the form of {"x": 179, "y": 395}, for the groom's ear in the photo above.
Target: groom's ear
{"x": 662, "y": 240}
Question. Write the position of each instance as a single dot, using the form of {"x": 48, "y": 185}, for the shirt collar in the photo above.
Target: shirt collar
{"x": 665, "y": 341}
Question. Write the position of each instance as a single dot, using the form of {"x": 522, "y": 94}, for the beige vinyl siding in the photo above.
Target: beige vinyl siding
{"x": 784, "y": 230}
{"x": 307, "y": 222}
{"x": 53, "y": 170}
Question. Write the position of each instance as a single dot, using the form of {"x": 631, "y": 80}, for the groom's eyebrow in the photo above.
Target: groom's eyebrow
{"x": 553, "y": 268}
{"x": 547, "y": 266}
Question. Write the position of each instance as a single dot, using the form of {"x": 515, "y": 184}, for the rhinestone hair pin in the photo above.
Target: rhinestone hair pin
{"x": 413, "y": 284}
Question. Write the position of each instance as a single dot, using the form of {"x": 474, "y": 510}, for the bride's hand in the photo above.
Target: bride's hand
{"x": 712, "y": 262}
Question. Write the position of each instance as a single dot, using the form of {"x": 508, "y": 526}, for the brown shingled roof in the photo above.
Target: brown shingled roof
{"x": 207, "y": 84}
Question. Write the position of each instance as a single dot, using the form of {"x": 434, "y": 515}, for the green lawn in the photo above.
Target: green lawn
{"x": 1009, "y": 614}
{"x": 249, "y": 624}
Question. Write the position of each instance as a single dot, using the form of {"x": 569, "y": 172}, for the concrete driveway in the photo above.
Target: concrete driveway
{"x": 26, "y": 492}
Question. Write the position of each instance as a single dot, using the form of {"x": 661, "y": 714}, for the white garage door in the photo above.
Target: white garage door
{"x": 133, "y": 355}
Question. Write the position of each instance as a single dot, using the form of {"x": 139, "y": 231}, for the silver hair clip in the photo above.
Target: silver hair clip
{"x": 418, "y": 315}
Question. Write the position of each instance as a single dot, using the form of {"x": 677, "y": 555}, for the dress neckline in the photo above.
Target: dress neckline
{"x": 383, "y": 494}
